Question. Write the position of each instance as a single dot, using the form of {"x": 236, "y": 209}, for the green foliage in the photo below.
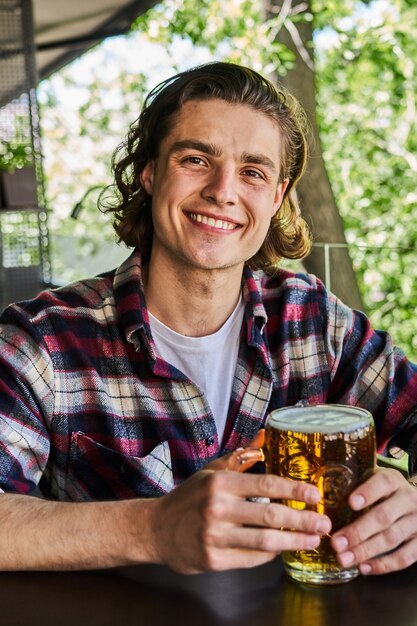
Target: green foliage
{"x": 20, "y": 239}
{"x": 16, "y": 148}
{"x": 367, "y": 85}
{"x": 327, "y": 12}
{"x": 238, "y": 31}
{"x": 14, "y": 154}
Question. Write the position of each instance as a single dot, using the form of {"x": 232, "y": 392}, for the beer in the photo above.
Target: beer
{"x": 332, "y": 447}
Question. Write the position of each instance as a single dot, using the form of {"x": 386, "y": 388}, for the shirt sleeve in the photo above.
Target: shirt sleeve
{"x": 26, "y": 403}
{"x": 369, "y": 371}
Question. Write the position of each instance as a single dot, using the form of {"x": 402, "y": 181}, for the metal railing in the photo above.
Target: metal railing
{"x": 327, "y": 247}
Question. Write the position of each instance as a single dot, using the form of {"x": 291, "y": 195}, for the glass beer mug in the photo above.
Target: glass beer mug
{"x": 332, "y": 447}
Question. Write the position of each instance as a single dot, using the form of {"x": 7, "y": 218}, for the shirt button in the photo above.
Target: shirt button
{"x": 210, "y": 440}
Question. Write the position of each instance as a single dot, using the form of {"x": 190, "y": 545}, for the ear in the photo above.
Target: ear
{"x": 146, "y": 177}
{"x": 279, "y": 195}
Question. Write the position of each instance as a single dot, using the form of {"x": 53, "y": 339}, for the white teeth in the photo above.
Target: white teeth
{"x": 210, "y": 221}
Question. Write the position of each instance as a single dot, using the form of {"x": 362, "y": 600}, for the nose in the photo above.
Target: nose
{"x": 221, "y": 187}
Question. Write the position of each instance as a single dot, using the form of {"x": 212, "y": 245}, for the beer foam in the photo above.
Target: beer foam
{"x": 322, "y": 418}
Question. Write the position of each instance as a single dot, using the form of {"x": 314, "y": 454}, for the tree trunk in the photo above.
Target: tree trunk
{"x": 329, "y": 259}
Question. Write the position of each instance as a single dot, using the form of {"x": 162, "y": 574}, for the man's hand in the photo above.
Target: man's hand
{"x": 242, "y": 459}
{"x": 384, "y": 538}
{"x": 207, "y": 523}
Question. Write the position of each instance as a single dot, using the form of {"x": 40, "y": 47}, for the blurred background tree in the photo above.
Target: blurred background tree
{"x": 363, "y": 69}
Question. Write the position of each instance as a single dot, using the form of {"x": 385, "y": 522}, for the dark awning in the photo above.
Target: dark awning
{"x": 64, "y": 29}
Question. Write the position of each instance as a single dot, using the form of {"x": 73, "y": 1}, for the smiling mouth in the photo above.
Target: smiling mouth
{"x": 211, "y": 221}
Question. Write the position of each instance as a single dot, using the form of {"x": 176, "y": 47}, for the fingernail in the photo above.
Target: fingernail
{"x": 340, "y": 543}
{"x": 312, "y": 496}
{"x": 357, "y": 502}
{"x": 346, "y": 558}
{"x": 324, "y": 526}
{"x": 365, "y": 568}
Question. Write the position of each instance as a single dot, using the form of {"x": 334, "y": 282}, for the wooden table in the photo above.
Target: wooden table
{"x": 153, "y": 596}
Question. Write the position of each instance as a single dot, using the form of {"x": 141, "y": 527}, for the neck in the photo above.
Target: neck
{"x": 191, "y": 302}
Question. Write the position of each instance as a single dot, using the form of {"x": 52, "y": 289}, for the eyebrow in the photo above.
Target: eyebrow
{"x": 258, "y": 159}
{"x": 195, "y": 144}
{"x": 212, "y": 150}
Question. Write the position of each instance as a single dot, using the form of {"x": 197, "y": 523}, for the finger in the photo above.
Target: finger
{"x": 241, "y": 459}
{"x": 402, "y": 558}
{"x": 268, "y": 540}
{"x": 265, "y": 485}
{"x": 251, "y": 454}
{"x": 381, "y": 485}
{"x": 381, "y": 543}
{"x": 244, "y": 458}
{"x": 381, "y": 517}
{"x": 238, "y": 461}
{"x": 374, "y": 521}
{"x": 277, "y": 516}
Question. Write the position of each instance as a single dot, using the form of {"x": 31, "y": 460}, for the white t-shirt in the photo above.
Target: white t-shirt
{"x": 210, "y": 361}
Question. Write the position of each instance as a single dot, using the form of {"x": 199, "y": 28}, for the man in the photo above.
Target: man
{"x": 122, "y": 396}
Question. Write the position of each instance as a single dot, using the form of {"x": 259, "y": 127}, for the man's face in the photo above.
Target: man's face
{"x": 214, "y": 185}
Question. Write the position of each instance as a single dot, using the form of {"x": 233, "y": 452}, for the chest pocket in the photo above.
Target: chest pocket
{"x": 99, "y": 473}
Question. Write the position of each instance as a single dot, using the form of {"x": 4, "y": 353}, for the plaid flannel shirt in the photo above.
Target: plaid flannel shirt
{"x": 90, "y": 411}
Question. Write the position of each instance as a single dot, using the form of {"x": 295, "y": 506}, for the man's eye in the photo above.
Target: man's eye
{"x": 194, "y": 159}
{"x": 253, "y": 173}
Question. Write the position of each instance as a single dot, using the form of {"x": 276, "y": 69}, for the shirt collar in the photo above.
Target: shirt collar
{"x": 133, "y": 314}
{"x": 252, "y": 294}
{"x": 130, "y": 298}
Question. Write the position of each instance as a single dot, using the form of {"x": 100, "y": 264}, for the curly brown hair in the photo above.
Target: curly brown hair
{"x": 288, "y": 235}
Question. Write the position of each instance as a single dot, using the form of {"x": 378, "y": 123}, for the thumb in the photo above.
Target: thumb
{"x": 259, "y": 439}
{"x": 243, "y": 458}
